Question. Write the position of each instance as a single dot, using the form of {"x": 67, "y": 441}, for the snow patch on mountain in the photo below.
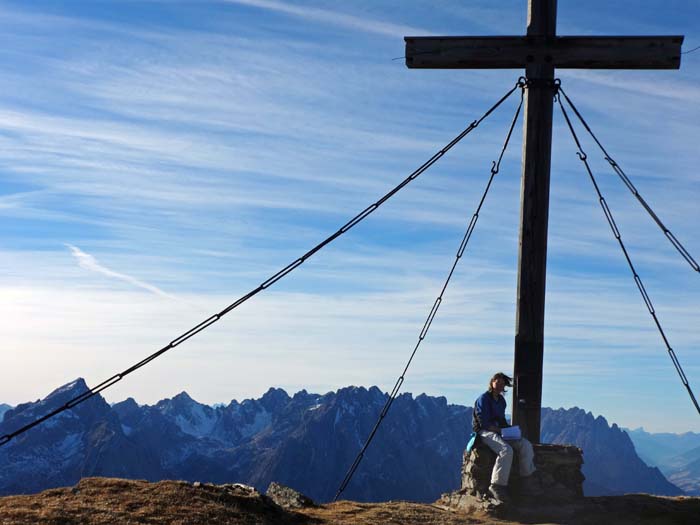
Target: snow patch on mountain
{"x": 261, "y": 420}
{"x": 198, "y": 421}
{"x": 78, "y": 384}
{"x": 60, "y": 419}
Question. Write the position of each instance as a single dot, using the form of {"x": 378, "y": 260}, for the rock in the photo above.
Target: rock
{"x": 558, "y": 478}
{"x": 241, "y": 489}
{"x": 463, "y": 500}
{"x": 288, "y": 498}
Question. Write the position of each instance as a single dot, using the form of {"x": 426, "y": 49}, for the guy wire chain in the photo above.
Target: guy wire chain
{"x": 463, "y": 245}
{"x": 618, "y": 170}
{"x": 269, "y": 282}
{"x": 611, "y": 221}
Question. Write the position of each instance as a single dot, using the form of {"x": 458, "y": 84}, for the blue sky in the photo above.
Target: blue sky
{"x": 160, "y": 159}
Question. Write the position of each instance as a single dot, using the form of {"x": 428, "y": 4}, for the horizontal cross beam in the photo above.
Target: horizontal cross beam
{"x": 589, "y": 52}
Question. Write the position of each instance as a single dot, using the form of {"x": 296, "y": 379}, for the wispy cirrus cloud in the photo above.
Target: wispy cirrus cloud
{"x": 316, "y": 14}
{"x": 88, "y": 262}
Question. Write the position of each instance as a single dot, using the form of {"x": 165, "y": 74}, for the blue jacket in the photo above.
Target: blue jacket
{"x": 489, "y": 412}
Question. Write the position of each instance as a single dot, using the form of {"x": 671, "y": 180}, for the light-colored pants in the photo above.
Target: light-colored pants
{"x": 504, "y": 456}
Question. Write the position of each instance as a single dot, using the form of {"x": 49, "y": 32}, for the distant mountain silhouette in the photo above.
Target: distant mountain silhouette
{"x": 676, "y": 455}
{"x": 612, "y": 465}
{"x": 306, "y": 441}
{"x": 662, "y": 449}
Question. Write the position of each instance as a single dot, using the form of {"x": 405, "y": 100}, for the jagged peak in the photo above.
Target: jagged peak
{"x": 573, "y": 410}
{"x": 273, "y": 398}
{"x": 305, "y": 397}
{"x": 276, "y": 393}
{"x": 353, "y": 390}
{"x": 375, "y": 390}
{"x": 350, "y": 389}
{"x": 302, "y": 394}
{"x": 128, "y": 403}
{"x": 77, "y": 385}
{"x": 182, "y": 396}
{"x": 423, "y": 399}
{"x": 177, "y": 402}
{"x": 600, "y": 420}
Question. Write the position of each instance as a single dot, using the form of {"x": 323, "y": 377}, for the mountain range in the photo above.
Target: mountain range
{"x": 306, "y": 441}
{"x": 676, "y": 455}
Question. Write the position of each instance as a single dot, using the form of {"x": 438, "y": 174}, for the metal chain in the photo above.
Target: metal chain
{"x": 433, "y": 311}
{"x": 638, "y": 281}
{"x": 269, "y": 282}
{"x": 618, "y": 170}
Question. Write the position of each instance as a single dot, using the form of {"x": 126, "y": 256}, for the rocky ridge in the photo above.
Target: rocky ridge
{"x": 306, "y": 441}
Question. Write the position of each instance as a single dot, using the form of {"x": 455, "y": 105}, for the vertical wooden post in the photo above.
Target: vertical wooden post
{"x": 534, "y": 214}
{"x": 540, "y": 51}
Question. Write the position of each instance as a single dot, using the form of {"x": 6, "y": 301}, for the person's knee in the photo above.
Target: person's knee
{"x": 524, "y": 444}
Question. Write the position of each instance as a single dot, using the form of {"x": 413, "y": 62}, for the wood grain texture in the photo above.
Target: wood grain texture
{"x": 571, "y": 52}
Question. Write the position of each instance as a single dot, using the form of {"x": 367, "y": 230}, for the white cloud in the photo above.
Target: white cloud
{"x": 88, "y": 262}
{"x": 326, "y": 16}
{"x": 668, "y": 88}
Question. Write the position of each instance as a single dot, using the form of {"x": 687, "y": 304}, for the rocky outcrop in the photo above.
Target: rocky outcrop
{"x": 558, "y": 475}
{"x": 288, "y": 498}
{"x": 557, "y": 483}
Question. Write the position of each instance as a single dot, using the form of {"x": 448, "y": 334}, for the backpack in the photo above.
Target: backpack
{"x": 472, "y": 441}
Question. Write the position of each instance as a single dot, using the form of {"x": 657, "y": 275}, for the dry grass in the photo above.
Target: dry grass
{"x": 115, "y": 501}
{"x": 391, "y": 513}
{"x": 103, "y": 500}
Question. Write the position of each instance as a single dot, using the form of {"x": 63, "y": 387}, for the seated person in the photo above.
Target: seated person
{"x": 488, "y": 420}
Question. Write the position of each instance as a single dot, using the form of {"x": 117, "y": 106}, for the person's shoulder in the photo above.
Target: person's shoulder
{"x": 483, "y": 397}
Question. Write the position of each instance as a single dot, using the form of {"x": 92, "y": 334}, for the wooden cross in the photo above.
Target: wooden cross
{"x": 539, "y": 52}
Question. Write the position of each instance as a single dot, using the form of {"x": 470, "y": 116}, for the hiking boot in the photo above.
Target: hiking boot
{"x": 499, "y": 493}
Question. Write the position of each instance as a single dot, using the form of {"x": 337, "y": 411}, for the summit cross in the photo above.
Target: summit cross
{"x": 540, "y": 51}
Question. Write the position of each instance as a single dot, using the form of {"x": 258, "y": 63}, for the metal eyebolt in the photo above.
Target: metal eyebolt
{"x": 556, "y": 85}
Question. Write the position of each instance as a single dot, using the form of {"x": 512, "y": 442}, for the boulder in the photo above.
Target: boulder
{"x": 287, "y": 498}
